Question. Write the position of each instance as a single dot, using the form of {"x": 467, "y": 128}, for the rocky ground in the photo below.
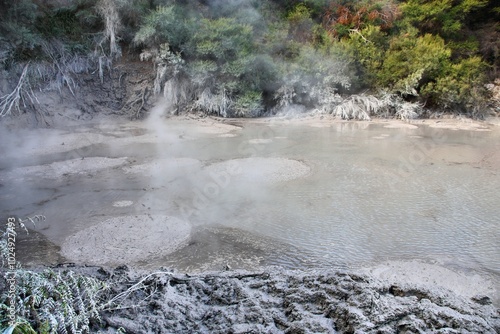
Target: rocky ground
{"x": 277, "y": 301}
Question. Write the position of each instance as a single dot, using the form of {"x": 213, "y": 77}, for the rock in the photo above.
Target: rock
{"x": 397, "y": 291}
{"x": 483, "y": 300}
{"x": 121, "y": 269}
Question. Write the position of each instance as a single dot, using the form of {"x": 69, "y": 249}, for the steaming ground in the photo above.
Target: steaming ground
{"x": 145, "y": 201}
{"x": 22, "y": 143}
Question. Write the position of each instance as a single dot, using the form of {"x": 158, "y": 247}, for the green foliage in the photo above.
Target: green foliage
{"x": 132, "y": 14}
{"x": 61, "y": 23}
{"x": 412, "y": 61}
{"x": 21, "y": 327}
{"x": 58, "y": 43}
{"x": 444, "y": 17}
{"x": 202, "y": 70}
{"x": 275, "y": 42}
{"x": 367, "y": 48}
{"x": 463, "y": 48}
{"x": 248, "y": 104}
{"x": 166, "y": 24}
{"x": 262, "y": 74}
{"x": 221, "y": 40}
{"x": 262, "y": 52}
{"x": 304, "y": 64}
{"x": 461, "y": 84}
{"x": 302, "y": 28}
{"x": 315, "y": 7}
{"x": 224, "y": 63}
{"x": 17, "y": 30}
{"x": 312, "y": 78}
{"x": 26, "y": 25}
{"x": 417, "y": 65}
{"x": 322, "y": 68}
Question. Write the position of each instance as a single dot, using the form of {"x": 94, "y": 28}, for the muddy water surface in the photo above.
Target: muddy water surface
{"x": 294, "y": 194}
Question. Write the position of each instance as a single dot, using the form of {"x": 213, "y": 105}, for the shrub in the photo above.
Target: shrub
{"x": 218, "y": 104}
{"x": 445, "y": 18}
{"x": 262, "y": 73}
{"x": 358, "y": 107}
{"x": 248, "y": 104}
{"x": 411, "y": 61}
{"x": 222, "y": 61}
{"x": 367, "y": 50}
{"x": 301, "y": 24}
{"x": 313, "y": 78}
{"x": 460, "y": 85}
{"x": 166, "y": 24}
{"x": 340, "y": 19}
{"x": 221, "y": 40}
{"x": 169, "y": 65}
{"x": 362, "y": 107}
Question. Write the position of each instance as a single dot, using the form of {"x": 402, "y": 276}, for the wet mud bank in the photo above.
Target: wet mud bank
{"x": 278, "y": 301}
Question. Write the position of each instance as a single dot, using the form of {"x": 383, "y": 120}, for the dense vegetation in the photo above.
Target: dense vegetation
{"x": 249, "y": 58}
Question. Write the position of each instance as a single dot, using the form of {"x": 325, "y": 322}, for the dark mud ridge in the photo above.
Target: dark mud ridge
{"x": 280, "y": 301}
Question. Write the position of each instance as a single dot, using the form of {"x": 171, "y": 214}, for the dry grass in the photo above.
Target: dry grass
{"x": 284, "y": 96}
{"x": 358, "y": 107}
{"x": 108, "y": 10}
{"x": 362, "y": 107}
{"x": 218, "y": 104}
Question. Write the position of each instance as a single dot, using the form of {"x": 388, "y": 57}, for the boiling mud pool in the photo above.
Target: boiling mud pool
{"x": 268, "y": 193}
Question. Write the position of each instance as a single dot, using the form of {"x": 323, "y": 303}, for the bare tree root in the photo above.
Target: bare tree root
{"x": 113, "y": 303}
{"x": 21, "y": 96}
{"x": 144, "y": 92}
{"x": 148, "y": 286}
{"x": 141, "y": 98}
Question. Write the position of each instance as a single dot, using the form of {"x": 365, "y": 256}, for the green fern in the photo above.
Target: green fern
{"x": 20, "y": 327}
{"x": 49, "y": 301}
{"x": 64, "y": 302}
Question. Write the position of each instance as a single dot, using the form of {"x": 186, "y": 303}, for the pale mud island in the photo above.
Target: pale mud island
{"x": 223, "y": 294}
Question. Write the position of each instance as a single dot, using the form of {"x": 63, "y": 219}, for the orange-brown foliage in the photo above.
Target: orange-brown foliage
{"x": 356, "y": 17}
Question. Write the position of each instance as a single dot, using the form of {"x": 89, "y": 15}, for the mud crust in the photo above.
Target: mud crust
{"x": 277, "y": 301}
